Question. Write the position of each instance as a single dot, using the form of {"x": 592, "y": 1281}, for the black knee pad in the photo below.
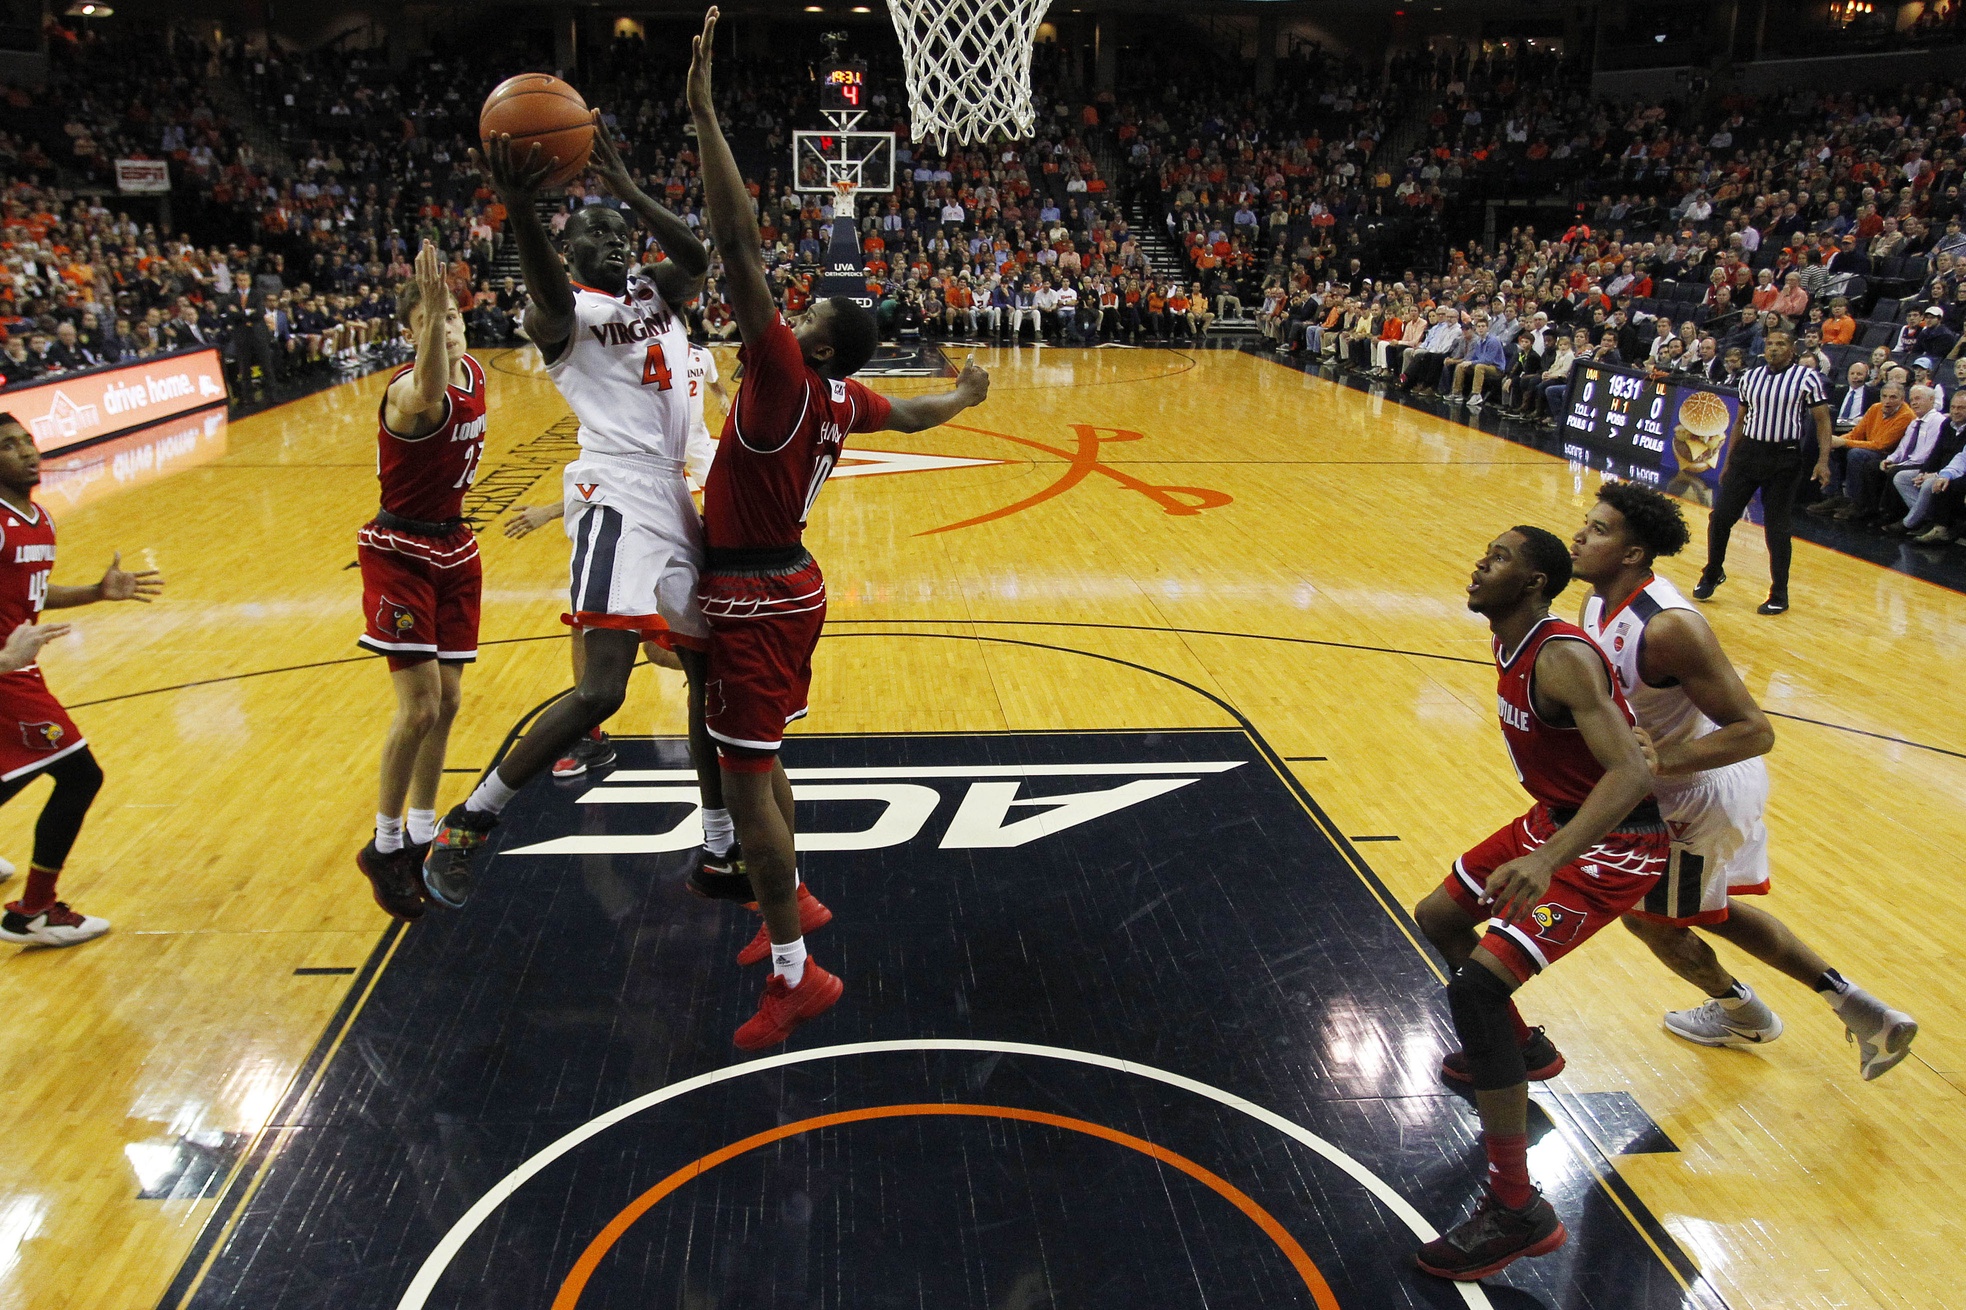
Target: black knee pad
{"x": 1479, "y": 1002}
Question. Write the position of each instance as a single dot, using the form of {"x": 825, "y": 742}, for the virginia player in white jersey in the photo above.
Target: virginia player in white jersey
{"x": 614, "y": 344}
{"x": 1704, "y": 737}
{"x": 703, "y": 378}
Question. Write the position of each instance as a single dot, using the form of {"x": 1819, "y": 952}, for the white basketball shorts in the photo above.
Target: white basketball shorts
{"x": 637, "y": 549}
{"x": 1719, "y": 843}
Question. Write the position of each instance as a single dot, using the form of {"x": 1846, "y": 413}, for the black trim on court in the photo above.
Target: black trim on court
{"x": 323, "y": 970}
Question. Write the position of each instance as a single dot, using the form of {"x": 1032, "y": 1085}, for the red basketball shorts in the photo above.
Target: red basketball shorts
{"x": 764, "y": 624}
{"x": 35, "y": 730}
{"x": 420, "y": 595}
{"x": 1607, "y": 880}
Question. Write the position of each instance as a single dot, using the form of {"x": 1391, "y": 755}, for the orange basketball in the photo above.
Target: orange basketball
{"x": 540, "y": 107}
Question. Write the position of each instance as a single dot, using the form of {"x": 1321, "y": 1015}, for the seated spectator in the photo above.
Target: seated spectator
{"x": 1839, "y": 329}
{"x": 1849, "y": 402}
{"x": 1933, "y": 487}
{"x": 1485, "y": 360}
{"x": 1855, "y": 457}
{"x": 1920, "y": 440}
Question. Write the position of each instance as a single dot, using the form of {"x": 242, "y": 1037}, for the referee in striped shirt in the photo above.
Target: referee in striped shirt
{"x": 1784, "y": 412}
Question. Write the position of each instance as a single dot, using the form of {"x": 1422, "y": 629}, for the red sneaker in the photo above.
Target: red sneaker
{"x": 782, "y": 1009}
{"x": 812, "y": 915}
{"x": 1544, "y": 1061}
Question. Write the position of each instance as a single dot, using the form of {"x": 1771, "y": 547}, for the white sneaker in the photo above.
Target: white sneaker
{"x": 7, "y": 870}
{"x": 55, "y": 926}
{"x": 1713, "y": 1024}
{"x": 1883, "y": 1035}
{"x": 1475, "y": 402}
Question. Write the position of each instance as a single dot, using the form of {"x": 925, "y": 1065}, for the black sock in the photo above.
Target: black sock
{"x": 1832, "y": 981}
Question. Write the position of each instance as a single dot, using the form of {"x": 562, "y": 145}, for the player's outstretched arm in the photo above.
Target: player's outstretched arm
{"x": 1573, "y": 677}
{"x": 414, "y": 405}
{"x": 116, "y": 584}
{"x": 527, "y": 518}
{"x": 919, "y": 413}
{"x": 733, "y": 223}
{"x": 25, "y": 642}
{"x": 549, "y": 308}
{"x": 680, "y": 276}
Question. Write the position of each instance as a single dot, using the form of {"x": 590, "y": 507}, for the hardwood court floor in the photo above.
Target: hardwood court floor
{"x": 1294, "y": 548}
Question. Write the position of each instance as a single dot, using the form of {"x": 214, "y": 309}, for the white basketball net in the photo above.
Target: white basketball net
{"x": 969, "y": 66}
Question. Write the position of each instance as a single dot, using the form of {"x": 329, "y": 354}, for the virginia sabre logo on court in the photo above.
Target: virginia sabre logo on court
{"x": 974, "y": 805}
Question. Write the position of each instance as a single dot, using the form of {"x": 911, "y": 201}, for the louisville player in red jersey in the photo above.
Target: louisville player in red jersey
{"x": 420, "y": 574}
{"x": 761, "y": 592}
{"x": 1588, "y": 850}
{"x": 36, "y": 735}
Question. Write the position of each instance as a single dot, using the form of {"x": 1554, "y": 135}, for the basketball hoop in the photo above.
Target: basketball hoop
{"x": 969, "y": 66}
{"x": 843, "y": 189}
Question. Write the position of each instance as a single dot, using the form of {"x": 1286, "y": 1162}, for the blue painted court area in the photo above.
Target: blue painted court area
{"x": 1125, "y": 1026}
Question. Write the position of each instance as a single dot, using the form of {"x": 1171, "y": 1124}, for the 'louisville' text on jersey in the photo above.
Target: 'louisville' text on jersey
{"x": 34, "y": 554}
{"x": 1513, "y": 715}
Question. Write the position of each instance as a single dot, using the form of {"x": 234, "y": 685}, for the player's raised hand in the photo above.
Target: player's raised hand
{"x": 117, "y": 584}
{"x": 526, "y": 519}
{"x": 25, "y": 642}
{"x": 973, "y": 382}
{"x": 515, "y": 178}
{"x": 1514, "y": 889}
{"x": 698, "y": 83}
{"x": 429, "y": 273}
{"x": 606, "y": 160}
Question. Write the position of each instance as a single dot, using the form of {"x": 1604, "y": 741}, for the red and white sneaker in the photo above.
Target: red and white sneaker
{"x": 782, "y": 1009}
{"x": 55, "y": 926}
{"x": 593, "y": 752}
{"x": 812, "y": 914}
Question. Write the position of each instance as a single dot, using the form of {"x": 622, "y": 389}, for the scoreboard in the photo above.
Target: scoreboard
{"x": 1655, "y": 428}
{"x": 843, "y": 88}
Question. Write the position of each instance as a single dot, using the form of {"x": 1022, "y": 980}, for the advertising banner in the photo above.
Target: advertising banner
{"x": 143, "y": 176}
{"x": 74, "y": 408}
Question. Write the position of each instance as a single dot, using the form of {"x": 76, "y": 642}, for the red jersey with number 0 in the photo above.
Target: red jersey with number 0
{"x": 26, "y": 559}
{"x": 782, "y": 438}
{"x": 1554, "y": 764}
{"x": 426, "y": 477}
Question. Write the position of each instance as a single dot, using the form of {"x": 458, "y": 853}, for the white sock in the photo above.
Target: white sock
{"x": 788, "y": 961}
{"x": 422, "y": 826}
{"x": 388, "y": 834}
{"x": 492, "y": 795}
{"x": 718, "y": 831}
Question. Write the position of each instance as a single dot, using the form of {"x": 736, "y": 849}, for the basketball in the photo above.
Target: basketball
{"x": 540, "y": 107}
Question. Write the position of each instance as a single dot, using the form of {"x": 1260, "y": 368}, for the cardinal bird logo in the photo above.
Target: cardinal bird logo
{"x": 42, "y": 736}
{"x": 1557, "y": 923}
{"x": 393, "y": 618}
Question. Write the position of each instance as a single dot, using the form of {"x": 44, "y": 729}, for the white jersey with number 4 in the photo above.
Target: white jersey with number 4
{"x": 623, "y": 371}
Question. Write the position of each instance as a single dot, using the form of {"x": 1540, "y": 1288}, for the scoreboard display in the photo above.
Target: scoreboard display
{"x": 1651, "y": 427}
{"x": 843, "y": 88}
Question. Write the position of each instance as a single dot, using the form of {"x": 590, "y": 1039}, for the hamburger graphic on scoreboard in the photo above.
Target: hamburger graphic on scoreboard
{"x": 1699, "y": 438}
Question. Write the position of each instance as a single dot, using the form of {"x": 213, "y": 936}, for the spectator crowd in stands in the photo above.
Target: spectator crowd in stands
{"x": 1330, "y": 211}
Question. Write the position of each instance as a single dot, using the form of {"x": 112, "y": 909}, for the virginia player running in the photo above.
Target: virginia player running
{"x": 762, "y": 592}
{"x": 612, "y": 338}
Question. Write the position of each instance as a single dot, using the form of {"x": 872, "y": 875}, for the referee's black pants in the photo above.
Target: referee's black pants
{"x": 1776, "y": 472}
